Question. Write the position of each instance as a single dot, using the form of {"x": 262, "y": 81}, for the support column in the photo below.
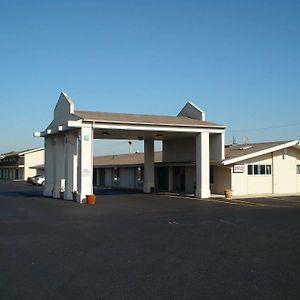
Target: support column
{"x": 149, "y": 184}
{"x": 170, "y": 179}
{"x": 49, "y": 167}
{"x": 59, "y": 165}
{"x": 202, "y": 165}
{"x": 85, "y": 164}
{"x": 70, "y": 164}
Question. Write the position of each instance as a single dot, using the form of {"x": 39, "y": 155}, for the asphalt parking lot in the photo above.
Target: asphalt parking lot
{"x": 135, "y": 246}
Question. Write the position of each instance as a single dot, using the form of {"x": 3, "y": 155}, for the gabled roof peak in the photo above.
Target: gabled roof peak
{"x": 190, "y": 110}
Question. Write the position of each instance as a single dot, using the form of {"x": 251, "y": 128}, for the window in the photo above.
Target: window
{"x": 259, "y": 169}
{"x": 268, "y": 170}
{"x": 298, "y": 169}
{"x": 250, "y": 169}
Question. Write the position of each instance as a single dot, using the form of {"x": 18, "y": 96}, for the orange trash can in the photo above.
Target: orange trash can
{"x": 91, "y": 199}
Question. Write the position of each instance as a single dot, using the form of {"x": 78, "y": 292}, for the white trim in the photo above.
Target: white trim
{"x": 151, "y": 124}
{"x": 51, "y": 131}
{"x": 37, "y": 133}
{"x": 146, "y": 128}
{"x": 259, "y": 153}
{"x": 32, "y": 150}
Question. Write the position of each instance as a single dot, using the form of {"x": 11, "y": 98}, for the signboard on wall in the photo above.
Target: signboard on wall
{"x": 86, "y": 172}
{"x": 238, "y": 168}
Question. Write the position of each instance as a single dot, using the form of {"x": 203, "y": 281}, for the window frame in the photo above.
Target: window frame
{"x": 259, "y": 169}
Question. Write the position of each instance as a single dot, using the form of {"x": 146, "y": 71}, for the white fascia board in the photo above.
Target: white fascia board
{"x": 37, "y": 133}
{"x": 158, "y": 128}
{"x": 51, "y": 131}
{"x": 77, "y": 124}
{"x": 31, "y": 151}
{"x": 80, "y": 124}
{"x": 41, "y": 133}
{"x": 259, "y": 153}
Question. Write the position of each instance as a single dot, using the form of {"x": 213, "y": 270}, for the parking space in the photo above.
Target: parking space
{"x": 136, "y": 246}
{"x": 261, "y": 201}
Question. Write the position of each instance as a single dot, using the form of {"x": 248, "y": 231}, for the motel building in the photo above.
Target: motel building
{"x": 252, "y": 169}
{"x": 261, "y": 168}
{"x": 69, "y": 146}
{"x": 18, "y": 165}
{"x": 193, "y": 160}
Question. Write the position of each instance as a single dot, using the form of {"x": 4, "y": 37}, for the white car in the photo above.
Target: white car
{"x": 39, "y": 180}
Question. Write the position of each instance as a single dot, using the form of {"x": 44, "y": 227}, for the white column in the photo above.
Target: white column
{"x": 170, "y": 179}
{"x": 70, "y": 164}
{"x": 85, "y": 164}
{"x": 59, "y": 164}
{"x": 202, "y": 165}
{"x": 49, "y": 167}
{"x": 148, "y": 165}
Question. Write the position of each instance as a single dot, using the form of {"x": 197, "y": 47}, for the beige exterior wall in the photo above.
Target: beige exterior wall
{"x": 239, "y": 182}
{"x": 244, "y": 184}
{"x": 282, "y": 180}
{"x": 297, "y": 156}
{"x": 184, "y": 149}
{"x": 179, "y": 150}
{"x": 31, "y": 160}
{"x": 222, "y": 179}
{"x": 285, "y": 176}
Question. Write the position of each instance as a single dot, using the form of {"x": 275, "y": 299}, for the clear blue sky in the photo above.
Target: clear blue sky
{"x": 237, "y": 60}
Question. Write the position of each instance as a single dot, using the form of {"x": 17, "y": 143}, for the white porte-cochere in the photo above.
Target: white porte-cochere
{"x": 70, "y": 137}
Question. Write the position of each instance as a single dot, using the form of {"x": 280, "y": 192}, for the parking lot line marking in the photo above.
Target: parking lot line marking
{"x": 230, "y": 202}
{"x": 287, "y": 200}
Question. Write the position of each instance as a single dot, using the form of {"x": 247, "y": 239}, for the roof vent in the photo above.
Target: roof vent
{"x": 245, "y": 147}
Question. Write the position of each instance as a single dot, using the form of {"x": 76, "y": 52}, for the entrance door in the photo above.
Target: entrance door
{"x": 102, "y": 177}
{"x": 95, "y": 177}
{"x": 179, "y": 179}
{"x": 162, "y": 175}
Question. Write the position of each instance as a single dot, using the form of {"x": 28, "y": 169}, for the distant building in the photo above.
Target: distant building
{"x": 252, "y": 169}
{"x": 20, "y": 165}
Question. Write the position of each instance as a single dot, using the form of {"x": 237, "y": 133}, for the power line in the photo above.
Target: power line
{"x": 265, "y": 128}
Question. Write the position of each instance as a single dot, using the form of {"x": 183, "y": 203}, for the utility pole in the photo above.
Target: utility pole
{"x": 129, "y": 144}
